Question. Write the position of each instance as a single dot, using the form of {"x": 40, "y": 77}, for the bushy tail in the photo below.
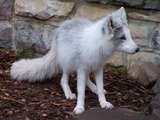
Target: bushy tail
{"x": 37, "y": 69}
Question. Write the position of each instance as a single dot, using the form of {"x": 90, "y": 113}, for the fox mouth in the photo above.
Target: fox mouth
{"x": 133, "y": 52}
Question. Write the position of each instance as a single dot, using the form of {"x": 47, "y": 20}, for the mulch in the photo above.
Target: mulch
{"x": 46, "y": 100}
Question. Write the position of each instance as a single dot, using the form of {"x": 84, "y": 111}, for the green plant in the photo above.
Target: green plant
{"x": 25, "y": 53}
{"x": 119, "y": 70}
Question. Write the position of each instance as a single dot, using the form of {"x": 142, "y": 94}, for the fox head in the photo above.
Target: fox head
{"x": 118, "y": 28}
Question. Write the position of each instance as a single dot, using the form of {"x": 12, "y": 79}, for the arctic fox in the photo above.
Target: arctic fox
{"x": 80, "y": 46}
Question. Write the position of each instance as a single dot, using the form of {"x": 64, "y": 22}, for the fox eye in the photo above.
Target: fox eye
{"x": 123, "y": 38}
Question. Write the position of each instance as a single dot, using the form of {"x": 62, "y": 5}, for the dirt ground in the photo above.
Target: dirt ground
{"x": 45, "y": 101}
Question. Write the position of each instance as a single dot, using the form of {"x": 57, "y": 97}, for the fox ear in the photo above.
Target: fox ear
{"x": 112, "y": 24}
{"x": 122, "y": 13}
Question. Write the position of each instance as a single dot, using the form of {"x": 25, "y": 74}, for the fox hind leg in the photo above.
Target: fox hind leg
{"x": 65, "y": 86}
{"x": 93, "y": 87}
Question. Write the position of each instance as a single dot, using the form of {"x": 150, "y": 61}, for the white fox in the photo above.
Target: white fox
{"x": 80, "y": 46}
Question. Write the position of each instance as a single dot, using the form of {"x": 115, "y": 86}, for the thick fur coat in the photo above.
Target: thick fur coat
{"x": 80, "y": 46}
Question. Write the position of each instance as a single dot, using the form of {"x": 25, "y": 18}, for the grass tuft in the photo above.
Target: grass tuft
{"x": 25, "y": 53}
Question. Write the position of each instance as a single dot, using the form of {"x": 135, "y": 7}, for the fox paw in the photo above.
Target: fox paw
{"x": 106, "y": 105}
{"x": 71, "y": 96}
{"x": 78, "y": 110}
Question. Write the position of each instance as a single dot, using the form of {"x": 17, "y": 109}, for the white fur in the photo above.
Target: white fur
{"x": 83, "y": 47}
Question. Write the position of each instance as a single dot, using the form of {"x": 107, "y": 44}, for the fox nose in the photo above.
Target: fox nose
{"x": 137, "y": 49}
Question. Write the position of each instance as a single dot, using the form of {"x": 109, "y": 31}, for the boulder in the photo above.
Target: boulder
{"x": 138, "y": 16}
{"x": 145, "y": 73}
{"x": 115, "y": 59}
{"x": 155, "y": 102}
{"x": 156, "y": 112}
{"x": 148, "y": 56}
{"x": 43, "y": 9}
{"x": 145, "y": 4}
{"x": 6, "y": 9}
{"x": 114, "y": 114}
{"x": 36, "y": 37}
{"x": 139, "y": 33}
{"x": 86, "y": 12}
{"x": 155, "y": 105}
{"x": 6, "y": 36}
{"x": 156, "y": 39}
{"x": 100, "y": 1}
{"x": 133, "y": 3}
{"x": 156, "y": 87}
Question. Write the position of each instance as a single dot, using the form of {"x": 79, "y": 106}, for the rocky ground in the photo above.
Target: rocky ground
{"x": 44, "y": 101}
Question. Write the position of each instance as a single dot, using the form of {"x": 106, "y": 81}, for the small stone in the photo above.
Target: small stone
{"x": 23, "y": 100}
{"x": 66, "y": 117}
{"x": 136, "y": 93}
{"x": 134, "y": 101}
{"x": 142, "y": 101}
{"x": 10, "y": 112}
{"x": 58, "y": 112}
{"x": 6, "y": 94}
{"x": 42, "y": 105}
{"x": 119, "y": 94}
{"x": 27, "y": 118}
{"x": 46, "y": 89}
{"x": 44, "y": 115}
{"x": 125, "y": 97}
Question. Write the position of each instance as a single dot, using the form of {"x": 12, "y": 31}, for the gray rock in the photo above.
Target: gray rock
{"x": 156, "y": 112}
{"x": 5, "y": 36}
{"x": 145, "y": 4}
{"x": 100, "y": 1}
{"x": 155, "y": 102}
{"x": 156, "y": 87}
{"x": 145, "y": 73}
{"x": 85, "y": 11}
{"x": 138, "y": 16}
{"x": 141, "y": 56}
{"x": 43, "y": 9}
{"x": 6, "y": 9}
{"x": 156, "y": 39}
{"x": 133, "y": 3}
{"x": 152, "y": 4}
{"x": 157, "y": 60}
{"x": 33, "y": 36}
{"x": 155, "y": 105}
{"x": 115, "y": 114}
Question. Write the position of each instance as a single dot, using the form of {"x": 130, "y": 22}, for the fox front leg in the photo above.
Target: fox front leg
{"x": 101, "y": 95}
{"x": 81, "y": 86}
